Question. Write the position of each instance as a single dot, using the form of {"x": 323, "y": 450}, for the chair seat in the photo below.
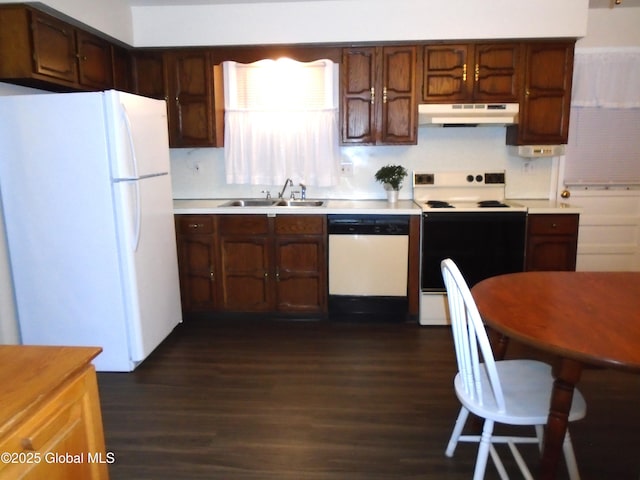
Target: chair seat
{"x": 527, "y": 386}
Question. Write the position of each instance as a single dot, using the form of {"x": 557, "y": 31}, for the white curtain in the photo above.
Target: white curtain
{"x": 281, "y": 121}
{"x": 606, "y": 78}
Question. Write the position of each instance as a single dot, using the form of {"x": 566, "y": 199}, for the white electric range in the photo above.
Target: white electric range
{"x": 466, "y": 217}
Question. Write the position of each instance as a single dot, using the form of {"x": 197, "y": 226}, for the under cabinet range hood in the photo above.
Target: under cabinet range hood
{"x": 470, "y": 114}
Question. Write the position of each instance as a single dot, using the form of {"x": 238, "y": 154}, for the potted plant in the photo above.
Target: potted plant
{"x": 391, "y": 176}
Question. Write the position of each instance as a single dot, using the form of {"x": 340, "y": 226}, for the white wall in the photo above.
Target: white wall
{"x": 356, "y": 20}
{"x": 199, "y": 173}
{"x": 617, "y": 27}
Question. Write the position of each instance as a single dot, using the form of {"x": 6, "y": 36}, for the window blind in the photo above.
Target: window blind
{"x": 604, "y": 147}
{"x": 604, "y": 134}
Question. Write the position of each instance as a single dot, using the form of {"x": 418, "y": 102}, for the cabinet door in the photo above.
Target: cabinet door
{"x": 445, "y": 78}
{"x": 545, "y": 104}
{"x": 378, "y": 99}
{"x": 552, "y": 242}
{"x": 149, "y": 74}
{"x": 496, "y": 72}
{"x": 54, "y": 48}
{"x": 191, "y": 113}
{"x": 358, "y": 92}
{"x": 301, "y": 265}
{"x": 398, "y": 105}
{"x": 67, "y": 427}
{"x": 246, "y": 264}
{"x": 122, "y": 69}
{"x": 197, "y": 262}
{"x": 95, "y": 68}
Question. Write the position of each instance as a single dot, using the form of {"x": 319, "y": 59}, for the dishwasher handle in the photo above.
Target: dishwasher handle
{"x": 368, "y": 224}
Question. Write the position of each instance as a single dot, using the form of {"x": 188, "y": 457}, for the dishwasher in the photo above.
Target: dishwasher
{"x": 368, "y": 267}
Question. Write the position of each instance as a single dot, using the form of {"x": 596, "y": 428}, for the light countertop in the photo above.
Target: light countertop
{"x": 535, "y": 206}
{"x": 377, "y": 207}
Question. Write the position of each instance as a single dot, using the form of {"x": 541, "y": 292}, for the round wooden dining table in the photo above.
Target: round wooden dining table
{"x": 581, "y": 317}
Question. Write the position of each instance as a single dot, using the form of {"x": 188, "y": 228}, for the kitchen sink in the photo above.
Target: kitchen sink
{"x": 299, "y": 203}
{"x": 249, "y": 203}
{"x": 273, "y": 203}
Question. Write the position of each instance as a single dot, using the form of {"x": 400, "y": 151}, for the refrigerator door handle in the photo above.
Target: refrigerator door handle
{"x": 137, "y": 210}
{"x": 138, "y": 217}
{"x": 127, "y": 123}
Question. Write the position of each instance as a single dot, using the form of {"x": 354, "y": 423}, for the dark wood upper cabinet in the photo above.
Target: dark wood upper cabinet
{"x": 148, "y": 74}
{"x": 379, "y": 85}
{"x": 378, "y": 96}
{"x": 195, "y": 100}
{"x": 545, "y": 99}
{"x": 54, "y": 48}
{"x": 122, "y": 69}
{"x": 95, "y": 65}
{"x": 42, "y": 51}
{"x": 482, "y": 72}
{"x": 496, "y": 75}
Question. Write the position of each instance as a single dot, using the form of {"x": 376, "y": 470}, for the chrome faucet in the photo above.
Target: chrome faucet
{"x": 303, "y": 191}
{"x": 287, "y": 182}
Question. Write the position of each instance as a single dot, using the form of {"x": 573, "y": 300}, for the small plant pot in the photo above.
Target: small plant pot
{"x": 392, "y": 196}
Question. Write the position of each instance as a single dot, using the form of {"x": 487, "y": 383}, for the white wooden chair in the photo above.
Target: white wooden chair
{"x": 512, "y": 392}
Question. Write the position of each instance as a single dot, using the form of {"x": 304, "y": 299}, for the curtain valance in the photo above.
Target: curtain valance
{"x": 606, "y": 78}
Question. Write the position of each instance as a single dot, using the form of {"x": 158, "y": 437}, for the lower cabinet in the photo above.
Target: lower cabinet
{"x": 50, "y": 419}
{"x": 552, "y": 242}
{"x": 253, "y": 263}
{"x": 197, "y": 259}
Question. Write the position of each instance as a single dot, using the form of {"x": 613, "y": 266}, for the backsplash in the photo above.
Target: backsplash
{"x": 199, "y": 172}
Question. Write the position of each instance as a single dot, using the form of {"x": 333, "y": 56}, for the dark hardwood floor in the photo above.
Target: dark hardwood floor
{"x": 298, "y": 400}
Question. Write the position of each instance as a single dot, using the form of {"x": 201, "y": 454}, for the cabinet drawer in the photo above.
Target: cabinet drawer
{"x": 560, "y": 224}
{"x": 59, "y": 427}
{"x": 243, "y": 224}
{"x": 194, "y": 224}
{"x": 300, "y": 224}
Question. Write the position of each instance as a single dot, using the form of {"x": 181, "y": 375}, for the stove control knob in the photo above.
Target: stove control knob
{"x": 479, "y": 178}
{"x": 469, "y": 178}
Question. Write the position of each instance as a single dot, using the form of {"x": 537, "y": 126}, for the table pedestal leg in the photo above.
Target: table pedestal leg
{"x": 567, "y": 374}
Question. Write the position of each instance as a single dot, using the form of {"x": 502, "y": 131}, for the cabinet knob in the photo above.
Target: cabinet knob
{"x": 373, "y": 95}
{"x": 464, "y": 72}
{"x": 81, "y": 57}
{"x": 195, "y": 226}
{"x": 477, "y": 72}
{"x": 565, "y": 194}
{"x": 384, "y": 95}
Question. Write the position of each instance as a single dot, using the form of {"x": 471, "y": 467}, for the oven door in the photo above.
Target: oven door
{"x": 483, "y": 244}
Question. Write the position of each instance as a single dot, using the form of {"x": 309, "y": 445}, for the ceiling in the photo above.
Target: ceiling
{"x": 141, "y": 3}
{"x": 145, "y": 3}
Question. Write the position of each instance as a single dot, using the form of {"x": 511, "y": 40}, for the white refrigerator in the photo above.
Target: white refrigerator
{"x": 86, "y": 198}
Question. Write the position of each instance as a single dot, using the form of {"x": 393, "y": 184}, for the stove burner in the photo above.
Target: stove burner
{"x": 439, "y": 204}
{"x": 492, "y": 203}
